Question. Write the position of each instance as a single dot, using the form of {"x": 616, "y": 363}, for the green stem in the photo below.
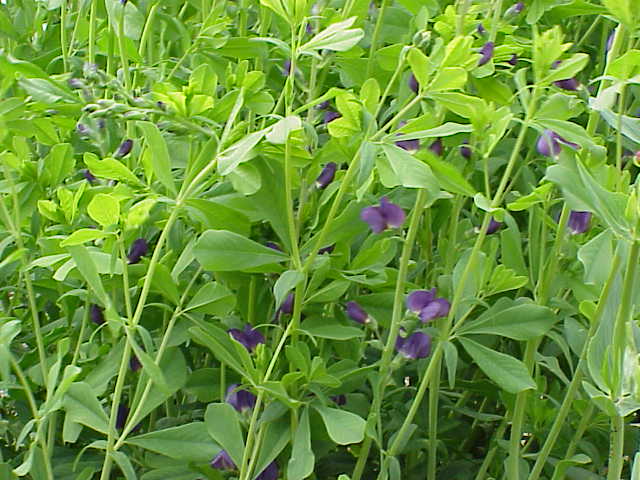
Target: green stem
{"x": 374, "y": 37}
{"x": 585, "y": 421}
{"x": 488, "y": 460}
{"x": 616, "y": 454}
{"x": 124, "y": 61}
{"x": 63, "y": 35}
{"x": 434, "y": 393}
{"x": 396, "y": 317}
{"x": 92, "y": 33}
{"x": 576, "y": 381}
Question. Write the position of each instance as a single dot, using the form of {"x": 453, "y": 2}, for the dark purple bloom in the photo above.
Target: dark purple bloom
{"x": 514, "y": 10}
{"x": 138, "y": 250}
{"x": 134, "y": 363}
{"x": 480, "y": 29}
{"x": 96, "y": 314}
{"x": 570, "y": 84}
{"x": 426, "y": 305}
{"x": 578, "y": 222}
{"x": 89, "y": 176}
{"x": 273, "y": 246}
{"x": 513, "y": 60}
{"x": 324, "y": 105}
{"x": 124, "y": 148}
{"x": 493, "y": 227}
{"x": 487, "y": 53}
{"x": 413, "y": 83}
{"x": 241, "y": 400}
{"x": 418, "y": 299}
{"x": 286, "y": 68}
{"x": 121, "y": 417}
{"x": 411, "y": 146}
{"x": 387, "y": 215}
{"x": 249, "y": 337}
{"x": 416, "y": 345}
{"x": 269, "y": 473}
{"x": 548, "y": 143}
{"x": 287, "y": 305}
{"x": 330, "y": 116}
{"x": 222, "y": 461}
{"x": 75, "y": 83}
{"x": 339, "y": 399}
{"x": 308, "y": 28}
{"x": 357, "y": 313}
{"x": 327, "y": 249}
{"x": 465, "y": 151}
{"x": 437, "y": 147}
{"x": 326, "y": 175}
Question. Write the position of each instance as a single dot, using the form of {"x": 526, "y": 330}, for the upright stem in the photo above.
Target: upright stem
{"x": 396, "y": 317}
{"x": 374, "y": 37}
{"x": 434, "y": 392}
{"x": 616, "y": 454}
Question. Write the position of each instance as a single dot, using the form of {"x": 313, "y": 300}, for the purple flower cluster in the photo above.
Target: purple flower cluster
{"x": 241, "y": 400}
{"x": 427, "y": 306}
{"x": 417, "y": 345}
{"x": 387, "y": 215}
{"x": 249, "y": 337}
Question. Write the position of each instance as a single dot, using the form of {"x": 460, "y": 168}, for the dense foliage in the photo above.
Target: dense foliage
{"x": 328, "y": 240}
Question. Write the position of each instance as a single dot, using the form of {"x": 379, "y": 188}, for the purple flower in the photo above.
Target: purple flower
{"x": 480, "y": 29}
{"x": 548, "y": 143}
{"x": 610, "y": 39}
{"x": 570, "y": 84}
{"x": 249, "y": 337}
{"x": 416, "y": 345}
{"x": 96, "y": 314}
{"x": 411, "y": 146}
{"x": 513, "y": 60}
{"x": 487, "y": 53}
{"x": 75, "y": 83}
{"x": 326, "y": 175}
{"x": 82, "y": 129}
{"x": 286, "y": 307}
{"x": 269, "y": 473}
{"x": 357, "y": 313}
{"x": 121, "y": 416}
{"x": 286, "y": 68}
{"x": 273, "y": 246}
{"x": 578, "y": 222}
{"x": 339, "y": 399}
{"x": 308, "y": 29}
{"x": 222, "y": 461}
{"x": 327, "y": 249}
{"x": 514, "y": 10}
{"x": 493, "y": 227}
{"x": 330, "y": 116}
{"x": 89, "y": 176}
{"x": 323, "y": 106}
{"x": 387, "y": 215}
{"x": 134, "y": 363}
{"x": 413, "y": 83}
{"x": 465, "y": 151}
{"x": 138, "y": 250}
{"x": 124, "y": 148}
{"x": 437, "y": 148}
{"x": 426, "y": 305}
{"x": 241, "y": 400}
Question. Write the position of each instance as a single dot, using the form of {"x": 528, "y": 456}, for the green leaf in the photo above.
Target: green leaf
{"x": 509, "y": 373}
{"x": 187, "y": 443}
{"x": 220, "y": 344}
{"x": 87, "y": 267}
{"x": 444, "y": 130}
{"x": 217, "y": 216}
{"x": 276, "y": 437}
{"x": 81, "y": 236}
{"x": 419, "y": 64}
{"x": 623, "y": 10}
{"x": 449, "y": 178}
{"x": 239, "y": 152}
{"x": 330, "y": 328}
{"x": 223, "y": 425}
{"x": 398, "y": 167}
{"x": 568, "y": 68}
{"x": 110, "y": 168}
{"x": 159, "y": 155}
{"x": 520, "y": 319}
{"x": 342, "y": 426}
{"x": 281, "y": 130}
{"x": 285, "y": 283}
{"x": 213, "y": 299}
{"x": 224, "y": 251}
{"x": 139, "y": 213}
{"x": 337, "y": 37}
{"x": 504, "y": 279}
{"x": 104, "y": 209}
{"x": 82, "y": 406}
{"x": 451, "y": 78}
{"x": 58, "y": 164}
{"x": 302, "y": 458}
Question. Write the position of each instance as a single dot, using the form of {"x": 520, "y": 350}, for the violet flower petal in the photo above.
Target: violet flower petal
{"x": 578, "y": 222}
{"x": 487, "y": 53}
{"x": 269, "y": 473}
{"x": 124, "y": 149}
{"x": 416, "y": 345}
{"x": 393, "y": 215}
{"x": 222, "y": 461}
{"x": 548, "y": 144}
{"x": 409, "y": 145}
{"x": 437, "y": 147}
{"x": 413, "y": 83}
{"x": 356, "y": 312}
{"x": 96, "y": 314}
{"x": 419, "y": 299}
{"x": 326, "y": 175}
{"x": 241, "y": 400}
{"x": 494, "y": 226}
{"x": 436, "y": 309}
{"x": 138, "y": 250}
{"x": 373, "y": 216}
